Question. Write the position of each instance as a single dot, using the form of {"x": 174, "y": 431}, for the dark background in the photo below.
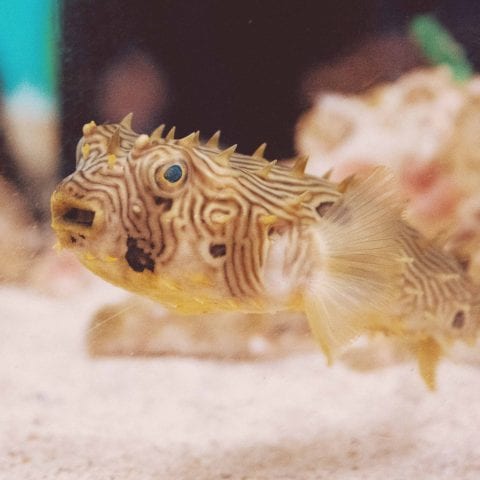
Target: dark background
{"x": 238, "y": 66}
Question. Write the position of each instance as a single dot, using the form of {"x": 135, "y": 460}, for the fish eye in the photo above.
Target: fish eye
{"x": 169, "y": 177}
{"x": 173, "y": 173}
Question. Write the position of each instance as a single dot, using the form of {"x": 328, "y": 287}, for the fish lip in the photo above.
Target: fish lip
{"x": 71, "y": 215}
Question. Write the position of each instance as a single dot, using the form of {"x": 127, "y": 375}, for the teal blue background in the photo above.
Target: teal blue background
{"x": 28, "y": 44}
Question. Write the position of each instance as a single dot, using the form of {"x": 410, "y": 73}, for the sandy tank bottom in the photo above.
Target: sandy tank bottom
{"x": 64, "y": 415}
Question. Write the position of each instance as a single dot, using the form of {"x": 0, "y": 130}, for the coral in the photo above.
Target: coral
{"x": 424, "y": 126}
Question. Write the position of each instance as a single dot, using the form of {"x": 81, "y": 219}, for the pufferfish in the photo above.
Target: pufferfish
{"x": 202, "y": 229}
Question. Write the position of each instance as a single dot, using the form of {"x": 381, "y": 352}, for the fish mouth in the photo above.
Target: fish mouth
{"x": 73, "y": 220}
{"x": 78, "y": 216}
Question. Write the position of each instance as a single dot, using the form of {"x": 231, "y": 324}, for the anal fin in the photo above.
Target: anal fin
{"x": 331, "y": 327}
{"x": 428, "y": 353}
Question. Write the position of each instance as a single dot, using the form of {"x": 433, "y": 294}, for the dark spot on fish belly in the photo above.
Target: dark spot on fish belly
{"x": 137, "y": 258}
{"x": 218, "y": 250}
{"x": 323, "y": 207}
{"x": 459, "y": 319}
{"x": 166, "y": 202}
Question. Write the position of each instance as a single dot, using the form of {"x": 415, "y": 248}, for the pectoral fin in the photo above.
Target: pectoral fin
{"x": 357, "y": 256}
{"x": 332, "y": 326}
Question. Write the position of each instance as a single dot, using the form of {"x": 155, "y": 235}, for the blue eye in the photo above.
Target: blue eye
{"x": 173, "y": 174}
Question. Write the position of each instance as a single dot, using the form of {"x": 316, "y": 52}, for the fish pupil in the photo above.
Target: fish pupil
{"x": 173, "y": 174}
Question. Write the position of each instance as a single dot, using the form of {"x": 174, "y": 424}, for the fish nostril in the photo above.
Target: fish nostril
{"x": 78, "y": 216}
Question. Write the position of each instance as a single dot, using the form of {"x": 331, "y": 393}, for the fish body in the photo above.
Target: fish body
{"x": 202, "y": 230}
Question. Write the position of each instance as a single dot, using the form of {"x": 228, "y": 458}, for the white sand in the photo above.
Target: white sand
{"x": 64, "y": 415}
